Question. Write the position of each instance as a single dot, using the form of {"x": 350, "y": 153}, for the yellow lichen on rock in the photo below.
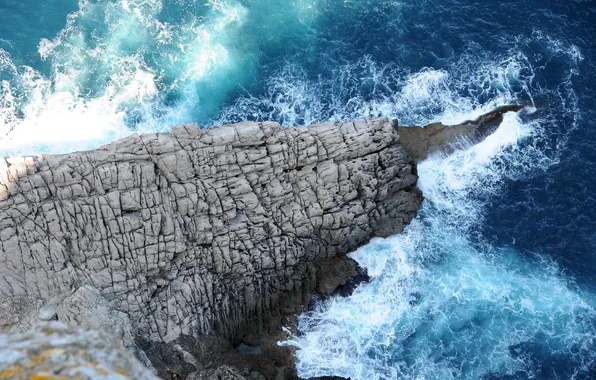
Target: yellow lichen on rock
{"x": 53, "y": 351}
{"x": 44, "y": 376}
{"x": 11, "y": 371}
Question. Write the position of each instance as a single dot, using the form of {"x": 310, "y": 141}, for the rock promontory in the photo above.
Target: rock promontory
{"x": 190, "y": 247}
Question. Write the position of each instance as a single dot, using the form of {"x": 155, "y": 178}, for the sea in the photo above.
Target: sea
{"x": 496, "y": 277}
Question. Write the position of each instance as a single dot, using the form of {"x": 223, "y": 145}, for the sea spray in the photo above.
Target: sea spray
{"x": 444, "y": 300}
{"x": 366, "y": 88}
{"x": 143, "y": 66}
{"x": 137, "y": 66}
{"x": 443, "y": 304}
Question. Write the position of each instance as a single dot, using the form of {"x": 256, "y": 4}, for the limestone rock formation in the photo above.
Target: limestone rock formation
{"x": 420, "y": 141}
{"x": 193, "y": 247}
{"x": 53, "y": 351}
{"x": 166, "y": 239}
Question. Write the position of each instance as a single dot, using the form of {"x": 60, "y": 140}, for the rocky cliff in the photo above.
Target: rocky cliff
{"x": 162, "y": 239}
{"x": 185, "y": 243}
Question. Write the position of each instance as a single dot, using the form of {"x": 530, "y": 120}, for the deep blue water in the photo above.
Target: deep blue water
{"x": 494, "y": 280}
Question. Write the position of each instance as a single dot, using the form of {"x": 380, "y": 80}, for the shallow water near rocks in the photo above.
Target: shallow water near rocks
{"x": 494, "y": 279}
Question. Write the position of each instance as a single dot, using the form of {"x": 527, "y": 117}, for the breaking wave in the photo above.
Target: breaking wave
{"x": 133, "y": 66}
{"x": 442, "y": 302}
{"x": 146, "y": 65}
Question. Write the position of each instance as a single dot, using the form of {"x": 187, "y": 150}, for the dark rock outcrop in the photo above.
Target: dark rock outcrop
{"x": 421, "y": 141}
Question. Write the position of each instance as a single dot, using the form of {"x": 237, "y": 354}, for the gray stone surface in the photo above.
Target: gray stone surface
{"x": 420, "y": 141}
{"x": 164, "y": 238}
{"x": 332, "y": 273}
{"x": 221, "y": 373}
{"x": 53, "y": 351}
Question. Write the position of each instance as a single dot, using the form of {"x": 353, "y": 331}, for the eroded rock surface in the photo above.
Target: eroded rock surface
{"x": 53, "y": 351}
{"x": 420, "y": 141}
{"x": 163, "y": 239}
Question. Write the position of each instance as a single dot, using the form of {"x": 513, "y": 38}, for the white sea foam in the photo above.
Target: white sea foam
{"x": 115, "y": 61}
{"x": 366, "y": 89}
{"x": 442, "y": 305}
{"x": 119, "y": 67}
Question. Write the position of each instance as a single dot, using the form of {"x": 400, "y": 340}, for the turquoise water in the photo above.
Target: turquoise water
{"x": 494, "y": 279}
{"x": 113, "y": 67}
{"x": 79, "y": 75}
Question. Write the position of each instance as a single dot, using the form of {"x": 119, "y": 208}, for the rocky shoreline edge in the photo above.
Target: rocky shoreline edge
{"x": 192, "y": 249}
